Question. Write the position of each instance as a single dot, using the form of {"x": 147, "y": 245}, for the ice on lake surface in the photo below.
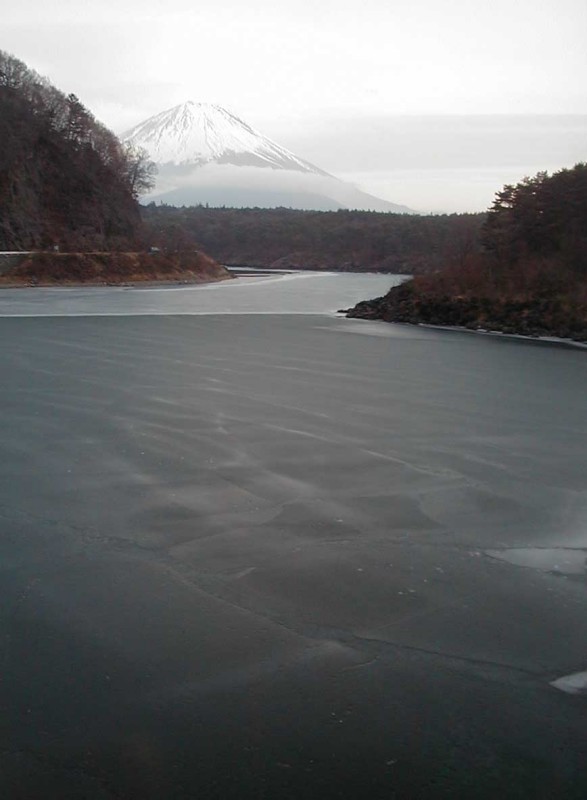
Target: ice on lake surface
{"x": 565, "y": 561}
{"x": 294, "y": 293}
{"x": 572, "y": 684}
{"x": 304, "y": 517}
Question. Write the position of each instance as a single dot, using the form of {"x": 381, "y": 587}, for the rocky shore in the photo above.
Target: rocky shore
{"x": 64, "y": 269}
{"x": 531, "y": 316}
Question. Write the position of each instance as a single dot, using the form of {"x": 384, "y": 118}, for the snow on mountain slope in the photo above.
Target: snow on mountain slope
{"x": 205, "y": 154}
{"x": 199, "y": 133}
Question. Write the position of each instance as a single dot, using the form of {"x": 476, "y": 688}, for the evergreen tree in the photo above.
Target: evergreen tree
{"x": 545, "y": 215}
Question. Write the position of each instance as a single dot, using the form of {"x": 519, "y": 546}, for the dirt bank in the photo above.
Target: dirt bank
{"x": 49, "y": 269}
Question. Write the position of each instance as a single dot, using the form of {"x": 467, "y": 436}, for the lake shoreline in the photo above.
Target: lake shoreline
{"x": 48, "y": 268}
{"x": 531, "y": 317}
{"x": 557, "y": 340}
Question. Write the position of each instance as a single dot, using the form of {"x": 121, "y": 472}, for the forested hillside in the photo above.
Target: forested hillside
{"x": 64, "y": 178}
{"x": 531, "y": 277}
{"x": 341, "y": 240}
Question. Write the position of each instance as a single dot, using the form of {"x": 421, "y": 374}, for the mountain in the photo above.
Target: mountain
{"x": 201, "y": 133}
{"x": 205, "y": 154}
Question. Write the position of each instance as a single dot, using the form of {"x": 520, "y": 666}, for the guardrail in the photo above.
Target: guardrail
{"x": 10, "y": 258}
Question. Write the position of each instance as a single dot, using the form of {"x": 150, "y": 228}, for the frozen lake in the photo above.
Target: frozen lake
{"x": 252, "y": 549}
{"x": 295, "y": 293}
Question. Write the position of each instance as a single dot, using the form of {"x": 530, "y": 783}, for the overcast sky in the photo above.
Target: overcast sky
{"x": 332, "y": 79}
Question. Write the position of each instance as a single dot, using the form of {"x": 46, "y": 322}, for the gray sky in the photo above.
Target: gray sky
{"x": 331, "y": 78}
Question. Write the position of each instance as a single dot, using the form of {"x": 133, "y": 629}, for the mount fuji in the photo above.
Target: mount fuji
{"x": 205, "y": 154}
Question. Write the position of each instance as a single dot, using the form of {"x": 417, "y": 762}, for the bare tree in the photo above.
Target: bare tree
{"x": 140, "y": 171}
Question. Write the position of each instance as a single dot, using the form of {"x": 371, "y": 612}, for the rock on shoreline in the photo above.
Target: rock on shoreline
{"x": 534, "y": 316}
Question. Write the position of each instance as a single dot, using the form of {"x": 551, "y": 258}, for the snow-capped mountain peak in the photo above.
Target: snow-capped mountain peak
{"x": 205, "y": 154}
{"x": 201, "y": 133}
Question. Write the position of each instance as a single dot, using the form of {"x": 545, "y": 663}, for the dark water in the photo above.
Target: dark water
{"x": 286, "y": 556}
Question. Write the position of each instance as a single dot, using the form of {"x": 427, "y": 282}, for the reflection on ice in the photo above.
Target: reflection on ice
{"x": 564, "y": 561}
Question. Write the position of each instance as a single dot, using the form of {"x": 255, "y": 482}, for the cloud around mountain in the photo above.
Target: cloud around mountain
{"x": 205, "y": 154}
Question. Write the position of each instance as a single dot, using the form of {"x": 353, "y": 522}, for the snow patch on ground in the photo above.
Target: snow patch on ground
{"x": 572, "y": 684}
{"x": 561, "y": 560}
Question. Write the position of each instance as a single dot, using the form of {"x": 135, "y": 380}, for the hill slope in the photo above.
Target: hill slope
{"x": 64, "y": 178}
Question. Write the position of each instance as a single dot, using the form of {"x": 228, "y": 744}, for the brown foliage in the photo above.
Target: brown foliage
{"x": 47, "y": 268}
{"x": 64, "y": 178}
{"x": 541, "y": 296}
{"x": 531, "y": 280}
